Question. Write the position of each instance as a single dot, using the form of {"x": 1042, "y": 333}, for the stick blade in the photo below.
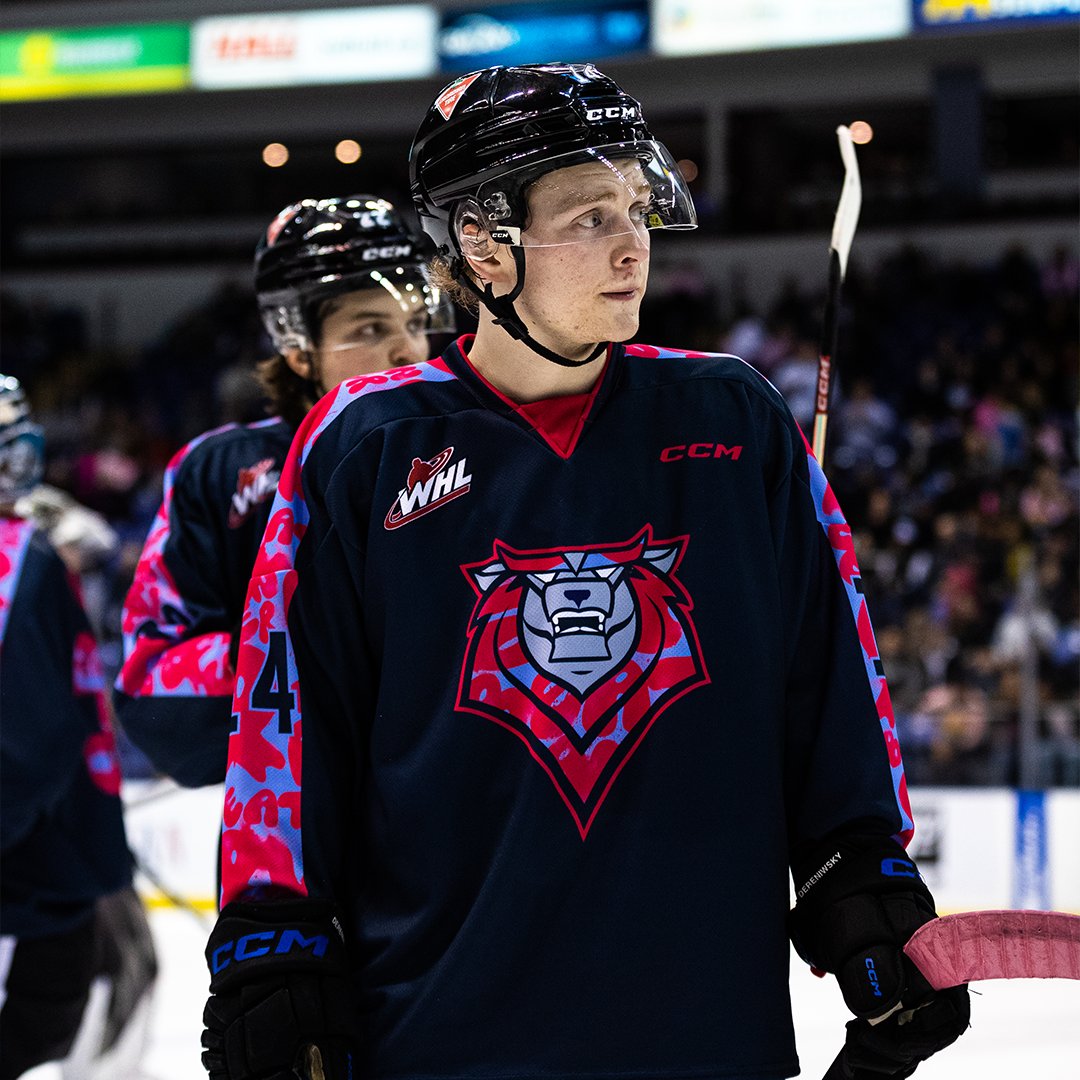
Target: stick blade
{"x": 977, "y": 945}
{"x": 847, "y": 210}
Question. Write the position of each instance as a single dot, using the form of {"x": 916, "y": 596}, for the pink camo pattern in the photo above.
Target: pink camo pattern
{"x": 15, "y": 536}
{"x": 88, "y": 680}
{"x": 654, "y": 352}
{"x": 99, "y": 749}
{"x": 836, "y": 528}
{"x": 167, "y": 662}
{"x": 261, "y": 848}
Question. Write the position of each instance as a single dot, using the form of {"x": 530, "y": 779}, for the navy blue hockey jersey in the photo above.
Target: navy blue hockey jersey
{"x": 62, "y": 841}
{"x": 550, "y": 719}
{"x": 174, "y": 691}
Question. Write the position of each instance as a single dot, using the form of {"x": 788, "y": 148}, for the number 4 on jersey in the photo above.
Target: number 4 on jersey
{"x": 272, "y": 689}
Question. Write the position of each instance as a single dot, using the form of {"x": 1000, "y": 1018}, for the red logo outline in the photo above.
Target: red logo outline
{"x": 448, "y": 100}
{"x": 581, "y": 738}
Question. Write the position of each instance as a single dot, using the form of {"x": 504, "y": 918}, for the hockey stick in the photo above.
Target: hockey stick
{"x": 847, "y": 217}
{"x": 973, "y": 946}
{"x": 204, "y": 920}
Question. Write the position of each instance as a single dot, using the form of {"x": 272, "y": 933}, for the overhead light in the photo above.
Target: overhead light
{"x": 347, "y": 151}
{"x": 861, "y": 132}
{"x": 689, "y": 169}
{"x": 275, "y": 154}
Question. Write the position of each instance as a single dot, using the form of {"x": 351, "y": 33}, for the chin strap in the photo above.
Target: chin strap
{"x": 506, "y": 316}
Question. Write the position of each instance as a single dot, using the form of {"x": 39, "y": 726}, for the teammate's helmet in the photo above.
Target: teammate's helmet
{"x": 491, "y": 133}
{"x": 319, "y": 248}
{"x": 22, "y": 445}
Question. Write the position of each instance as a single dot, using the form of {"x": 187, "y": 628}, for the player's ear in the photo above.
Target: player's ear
{"x": 301, "y": 362}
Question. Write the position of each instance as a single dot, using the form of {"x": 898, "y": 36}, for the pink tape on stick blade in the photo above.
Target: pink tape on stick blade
{"x": 975, "y": 945}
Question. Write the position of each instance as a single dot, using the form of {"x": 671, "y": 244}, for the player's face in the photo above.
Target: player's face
{"x": 367, "y": 331}
{"x": 587, "y": 255}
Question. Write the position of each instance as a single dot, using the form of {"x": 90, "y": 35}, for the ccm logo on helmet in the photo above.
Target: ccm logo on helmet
{"x": 613, "y": 112}
{"x": 700, "y": 450}
{"x": 389, "y": 251}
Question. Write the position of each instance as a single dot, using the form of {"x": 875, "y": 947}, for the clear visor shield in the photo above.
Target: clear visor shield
{"x": 612, "y": 190}
{"x": 406, "y": 302}
{"x": 364, "y": 309}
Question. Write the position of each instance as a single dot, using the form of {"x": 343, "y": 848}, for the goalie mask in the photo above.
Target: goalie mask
{"x": 316, "y": 250}
{"x": 22, "y": 444}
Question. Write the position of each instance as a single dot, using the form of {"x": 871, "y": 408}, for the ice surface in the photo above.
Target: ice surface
{"x": 1023, "y": 1030}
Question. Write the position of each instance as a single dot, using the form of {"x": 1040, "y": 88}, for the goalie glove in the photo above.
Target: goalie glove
{"x": 278, "y": 986}
{"x": 859, "y": 900}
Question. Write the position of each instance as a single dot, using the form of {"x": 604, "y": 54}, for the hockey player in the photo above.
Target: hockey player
{"x": 554, "y": 664}
{"x": 342, "y": 289}
{"x": 67, "y": 912}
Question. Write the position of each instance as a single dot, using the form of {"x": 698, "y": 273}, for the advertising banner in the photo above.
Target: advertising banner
{"x": 472, "y": 38}
{"x": 340, "y": 46}
{"x": 685, "y": 27}
{"x": 36, "y": 64}
{"x": 948, "y": 14}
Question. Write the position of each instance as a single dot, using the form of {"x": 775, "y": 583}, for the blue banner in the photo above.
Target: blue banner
{"x": 472, "y": 38}
{"x": 1032, "y": 883}
{"x": 944, "y": 14}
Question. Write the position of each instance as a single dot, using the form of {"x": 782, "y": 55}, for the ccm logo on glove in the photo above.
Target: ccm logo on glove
{"x": 871, "y": 974}
{"x": 262, "y": 943}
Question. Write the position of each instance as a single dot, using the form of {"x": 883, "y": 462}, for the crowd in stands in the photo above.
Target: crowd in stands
{"x": 953, "y": 450}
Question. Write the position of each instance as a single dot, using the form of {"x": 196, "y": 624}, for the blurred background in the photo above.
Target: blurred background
{"x": 147, "y": 143}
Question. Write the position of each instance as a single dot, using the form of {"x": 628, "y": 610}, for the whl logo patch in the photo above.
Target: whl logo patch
{"x": 431, "y": 484}
{"x": 447, "y": 101}
{"x": 577, "y": 651}
{"x": 254, "y": 485}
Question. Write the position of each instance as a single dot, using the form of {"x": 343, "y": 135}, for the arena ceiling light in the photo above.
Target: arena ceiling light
{"x": 275, "y": 154}
{"x": 348, "y": 151}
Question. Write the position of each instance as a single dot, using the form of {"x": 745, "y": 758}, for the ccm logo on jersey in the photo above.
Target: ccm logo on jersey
{"x": 700, "y": 450}
{"x": 431, "y": 484}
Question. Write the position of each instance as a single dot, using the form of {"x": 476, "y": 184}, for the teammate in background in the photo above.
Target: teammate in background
{"x": 554, "y": 664}
{"x": 342, "y": 290}
{"x": 67, "y": 913}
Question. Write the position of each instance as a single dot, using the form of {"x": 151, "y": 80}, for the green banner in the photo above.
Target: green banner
{"x": 37, "y": 64}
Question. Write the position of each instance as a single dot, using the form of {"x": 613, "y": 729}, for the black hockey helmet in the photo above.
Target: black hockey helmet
{"x": 22, "y": 444}
{"x": 319, "y": 248}
{"x": 492, "y": 132}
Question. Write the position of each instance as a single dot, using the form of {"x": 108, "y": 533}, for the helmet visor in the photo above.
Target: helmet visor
{"x": 582, "y": 196}
{"x": 382, "y": 303}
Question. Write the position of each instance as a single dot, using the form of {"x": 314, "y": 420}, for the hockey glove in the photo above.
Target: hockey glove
{"x": 278, "y": 985}
{"x": 858, "y": 902}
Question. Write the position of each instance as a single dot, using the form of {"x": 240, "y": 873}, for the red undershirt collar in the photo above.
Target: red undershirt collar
{"x": 558, "y": 420}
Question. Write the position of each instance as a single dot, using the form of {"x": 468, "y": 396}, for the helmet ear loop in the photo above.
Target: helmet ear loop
{"x": 469, "y": 232}
{"x": 502, "y": 307}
